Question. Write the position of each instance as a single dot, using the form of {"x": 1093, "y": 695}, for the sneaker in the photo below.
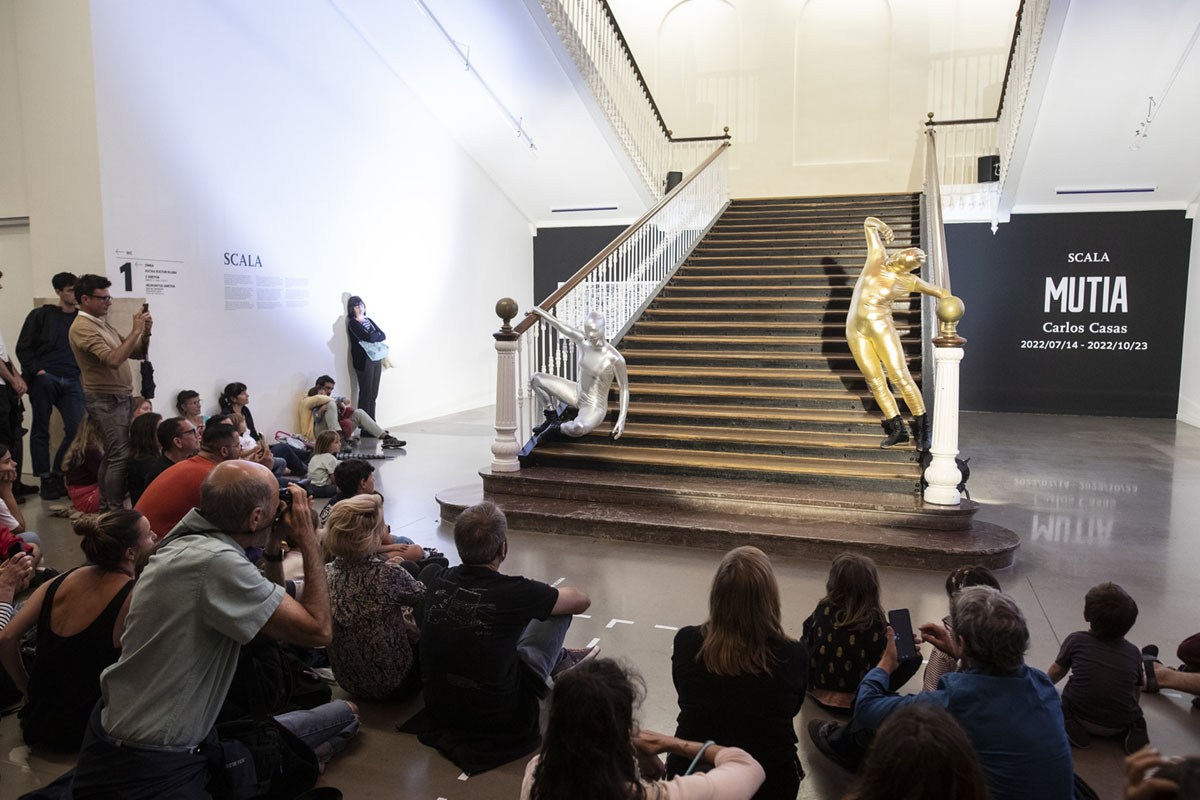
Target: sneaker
{"x": 570, "y": 659}
{"x": 1076, "y": 735}
{"x": 1136, "y": 737}
{"x": 392, "y": 443}
{"x": 819, "y": 731}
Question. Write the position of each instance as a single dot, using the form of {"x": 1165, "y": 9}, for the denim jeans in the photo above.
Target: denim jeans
{"x": 368, "y": 386}
{"x": 541, "y": 645}
{"x": 111, "y": 414}
{"x": 328, "y": 421}
{"x": 46, "y": 393}
{"x": 292, "y": 458}
{"x": 326, "y": 729}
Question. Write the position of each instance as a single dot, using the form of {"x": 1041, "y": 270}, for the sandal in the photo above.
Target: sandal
{"x": 1150, "y": 681}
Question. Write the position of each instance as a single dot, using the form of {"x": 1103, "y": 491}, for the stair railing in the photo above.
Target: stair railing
{"x": 592, "y": 37}
{"x": 620, "y": 282}
{"x": 942, "y": 475}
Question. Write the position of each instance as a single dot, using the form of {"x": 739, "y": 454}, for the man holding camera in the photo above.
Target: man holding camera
{"x": 103, "y": 357}
{"x": 197, "y": 602}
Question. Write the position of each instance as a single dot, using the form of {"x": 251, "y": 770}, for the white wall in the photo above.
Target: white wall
{"x": 270, "y": 129}
{"x": 1189, "y": 375}
{"x": 821, "y": 96}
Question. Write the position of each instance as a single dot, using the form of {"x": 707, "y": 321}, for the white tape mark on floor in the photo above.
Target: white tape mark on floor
{"x": 557, "y": 582}
{"x": 666, "y": 627}
{"x": 615, "y": 621}
{"x": 463, "y": 777}
{"x": 593, "y": 642}
{"x": 582, "y": 616}
{"x": 1176, "y": 695}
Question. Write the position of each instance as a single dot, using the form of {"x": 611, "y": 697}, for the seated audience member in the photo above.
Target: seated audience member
{"x": 1185, "y": 679}
{"x": 141, "y": 405}
{"x": 11, "y": 515}
{"x": 177, "y": 490}
{"x": 372, "y": 601}
{"x": 191, "y": 408}
{"x": 921, "y": 752}
{"x": 1102, "y": 695}
{"x": 79, "y": 618}
{"x": 144, "y": 454}
{"x": 15, "y": 574}
{"x": 320, "y": 411}
{"x": 592, "y": 748}
{"x": 491, "y": 645}
{"x": 197, "y": 602}
{"x": 350, "y": 477}
{"x": 739, "y": 677}
{"x": 178, "y": 439}
{"x": 844, "y": 634}
{"x": 233, "y": 400}
{"x": 81, "y": 467}
{"x": 1010, "y": 711}
{"x": 323, "y": 464}
{"x": 939, "y": 663}
{"x": 250, "y": 445}
{"x": 1171, "y": 777}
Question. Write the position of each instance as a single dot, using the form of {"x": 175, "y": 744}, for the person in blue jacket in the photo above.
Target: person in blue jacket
{"x": 1010, "y": 711}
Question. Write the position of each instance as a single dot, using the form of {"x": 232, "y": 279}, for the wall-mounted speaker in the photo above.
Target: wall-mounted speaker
{"x": 989, "y": 169}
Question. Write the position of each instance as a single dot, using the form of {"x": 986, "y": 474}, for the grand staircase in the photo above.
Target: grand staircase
{"x": 740, "y": 367}
{"x": 748, "y": 421}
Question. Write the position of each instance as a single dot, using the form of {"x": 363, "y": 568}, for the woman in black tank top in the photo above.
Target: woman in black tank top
{"x": 79, "y": 618}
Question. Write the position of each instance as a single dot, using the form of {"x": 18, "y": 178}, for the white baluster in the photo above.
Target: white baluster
{"x": 942, "y": 474}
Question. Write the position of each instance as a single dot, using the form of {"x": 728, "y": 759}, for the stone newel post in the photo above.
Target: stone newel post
{"x": 506, "y": 446}
{"x": 942, "y": 474}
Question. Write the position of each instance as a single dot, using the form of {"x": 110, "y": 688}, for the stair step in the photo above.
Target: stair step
{"x": 895, "y": 477}
{"x": 799, "y": 314}
{"x": 750, "y": 375}
{"x": 711, "y": 359}
{"x": 756, "y": 416}
{"x": 668, "y": 325}
{"x": 822, "y": 344}
{"x": 856, "y": 441}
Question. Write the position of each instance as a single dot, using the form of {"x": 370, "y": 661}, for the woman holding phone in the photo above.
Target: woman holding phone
{"x": 368, "y": 349}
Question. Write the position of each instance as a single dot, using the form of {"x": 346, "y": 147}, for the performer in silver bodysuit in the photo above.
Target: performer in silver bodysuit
{"x": 599, "y": 365}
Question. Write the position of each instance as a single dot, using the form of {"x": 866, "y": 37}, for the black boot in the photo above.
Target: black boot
{"x": 53, "y": 487}
{"x": 897, "y": 433}
{"x": 551, "y": 418}
{"x": 921, "y": 432}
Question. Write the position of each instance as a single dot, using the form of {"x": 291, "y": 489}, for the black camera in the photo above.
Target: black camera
{"x": 285, "y": 495}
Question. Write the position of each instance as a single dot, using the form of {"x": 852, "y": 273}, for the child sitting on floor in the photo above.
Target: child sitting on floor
{"x": 1101, "y": 698}
{"x": 324, "y": 461}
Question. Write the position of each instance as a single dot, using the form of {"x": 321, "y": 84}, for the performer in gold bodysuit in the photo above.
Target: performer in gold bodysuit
{"x": 872, "y": 333}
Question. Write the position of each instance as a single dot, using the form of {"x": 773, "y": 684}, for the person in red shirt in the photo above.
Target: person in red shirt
{"x": 176, "y": 490}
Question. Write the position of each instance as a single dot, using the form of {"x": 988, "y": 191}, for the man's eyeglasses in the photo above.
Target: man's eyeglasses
{"x": 188, "y": 431}
{"x": 106, "y": 299}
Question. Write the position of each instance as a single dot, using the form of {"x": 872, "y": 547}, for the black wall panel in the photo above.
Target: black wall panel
{"x": 1073, "y": 313}
{"x": 558, "y": 253}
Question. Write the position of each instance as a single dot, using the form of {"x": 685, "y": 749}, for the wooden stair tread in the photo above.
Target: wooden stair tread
{"x": 741, "y": 412}
{"x": 734, "y": 339}
{"x": 667, "y": 323}
{"x": 804, "y": 312}
{"x": 770, "y": 373}
{"x": 857, "y": 441}
{"x": 748, "y": 391}
{"x": 712, "y": 459}
{"x": 637, "y": 354}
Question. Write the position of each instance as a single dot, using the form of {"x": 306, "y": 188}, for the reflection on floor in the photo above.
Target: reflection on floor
{"x": 1094, "y": 499}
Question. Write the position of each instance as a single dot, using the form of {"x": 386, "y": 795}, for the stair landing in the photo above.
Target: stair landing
{"x": 782, "y": 519}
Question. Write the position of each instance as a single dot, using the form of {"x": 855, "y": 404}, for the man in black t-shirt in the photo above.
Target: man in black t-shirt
{"x": 490, "y": 646}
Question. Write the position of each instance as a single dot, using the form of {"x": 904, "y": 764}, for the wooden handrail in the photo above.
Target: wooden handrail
{"x": 622, "y": 237}
{"x": 1012, "y": 51}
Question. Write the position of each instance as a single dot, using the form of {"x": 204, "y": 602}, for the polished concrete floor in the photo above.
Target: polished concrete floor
{"x": 1093, "y": 499}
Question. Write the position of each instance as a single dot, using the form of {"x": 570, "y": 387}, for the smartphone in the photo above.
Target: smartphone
{"x": 145, "y": 307}
{"x": 902, "y": 624}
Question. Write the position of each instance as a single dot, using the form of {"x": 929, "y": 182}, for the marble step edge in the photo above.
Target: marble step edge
{"x": 814, "y": 538}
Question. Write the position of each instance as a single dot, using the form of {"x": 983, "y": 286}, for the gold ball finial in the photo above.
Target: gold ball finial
{"x": 950, "y": 309}
{"x": 506, "y": 309}
{"x": 727, "y": 129}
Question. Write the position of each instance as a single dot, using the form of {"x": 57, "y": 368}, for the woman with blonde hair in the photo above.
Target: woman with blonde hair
{"x": 81, "y": 467}
{"x": 740, "y": 679}
{"x": 373, "y": 652}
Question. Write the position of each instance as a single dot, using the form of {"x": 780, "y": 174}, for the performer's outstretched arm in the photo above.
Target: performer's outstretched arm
{"x": 877, "y": 232}
{"x": 558, "y": 325}
{"x": 928, "y": 288}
